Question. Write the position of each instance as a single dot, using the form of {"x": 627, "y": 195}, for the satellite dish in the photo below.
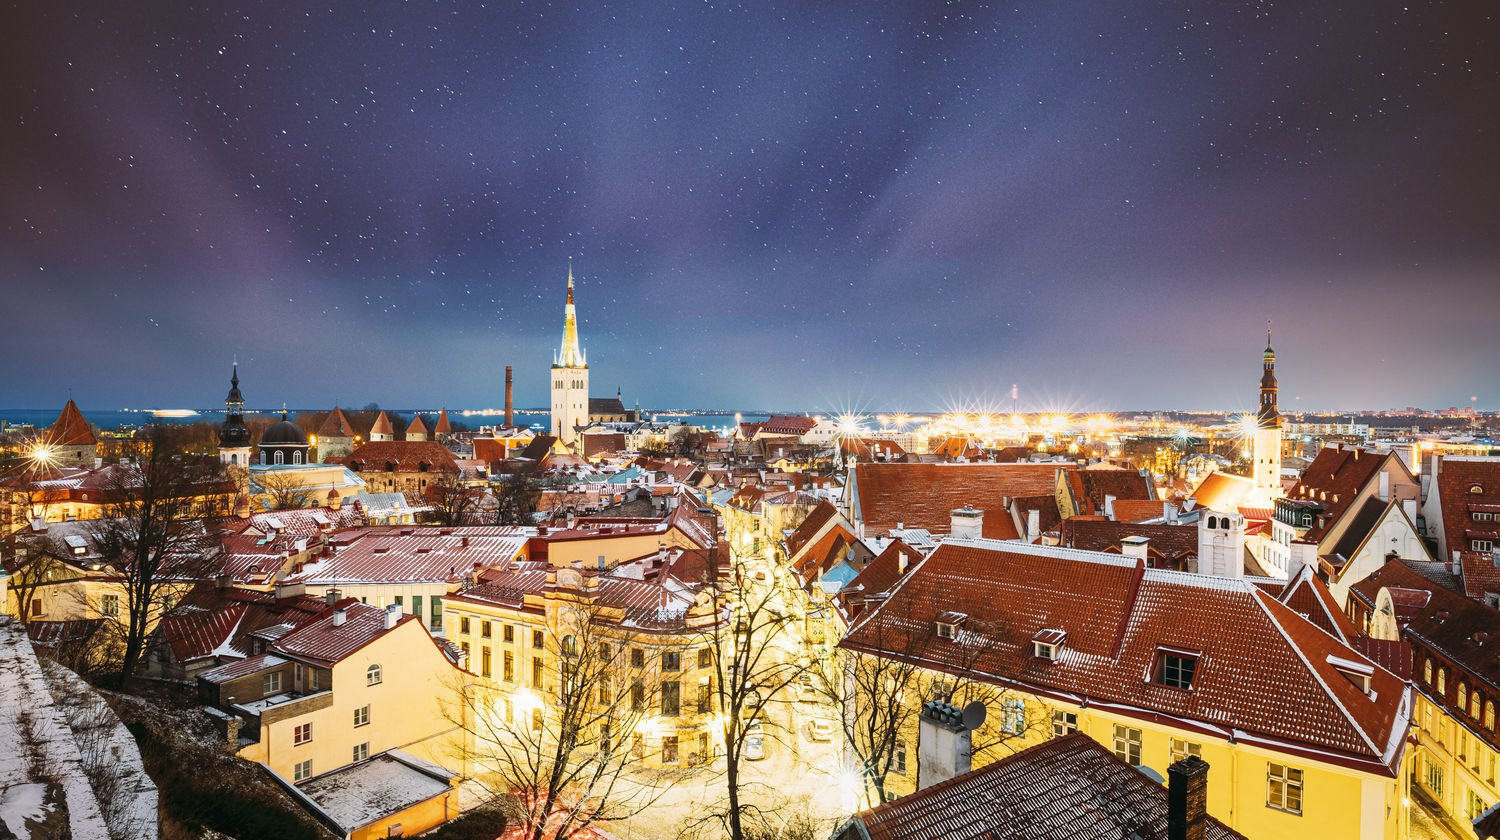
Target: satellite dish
{"x": 974, "y": 715}
{"x": 1152, "y": 774}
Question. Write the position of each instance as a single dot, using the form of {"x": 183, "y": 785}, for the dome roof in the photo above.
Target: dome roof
{"x": 284, "y": 433}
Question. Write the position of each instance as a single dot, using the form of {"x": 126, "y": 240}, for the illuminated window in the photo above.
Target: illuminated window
{"x": 1284, "y": 788}
{"x": 1462, "y": 696}
{"x": 508, "y": 667}
{"x": 1427, "y": 671}
{"x": 1442, "y": 683}
{"x": 111, "y": 606}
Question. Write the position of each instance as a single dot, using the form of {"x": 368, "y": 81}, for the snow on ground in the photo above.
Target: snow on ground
{"x": 45, "y": 766}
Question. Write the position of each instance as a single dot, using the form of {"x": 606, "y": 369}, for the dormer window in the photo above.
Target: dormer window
{"x": 1358, "y": 673}
{"x": 1476, "y": 489}
{"x": 1047, "y": 644}
{"x": 1175, "y": 668}
{"x": 948, "y": 624}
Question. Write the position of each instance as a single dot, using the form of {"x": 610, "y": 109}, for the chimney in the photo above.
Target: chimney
{"x": 223, "y": 581}
{"x": 1134, "y": 547}
{"x": 331, "y": 597}
{"x": 1109, "y": 505}
{"x": 290, "y": 590}
{"x": 1033, "y": 525}
{"x": 944, "y": 743}
{"x": 1187, "y": 799}
{"x": 509, "y": 421}
{"x": 39, "y": 524}
{"x": 392, "y": 615}
{"x": 339, "y": 617}
{"x": 900, "y": 526}
{"x": 966, "y": 523}
{"x": 901, "y": 561}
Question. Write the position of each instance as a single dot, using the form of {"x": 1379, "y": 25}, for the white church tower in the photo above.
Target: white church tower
{"x": 1266, "y": 443}
{"x": 570, "y": 379}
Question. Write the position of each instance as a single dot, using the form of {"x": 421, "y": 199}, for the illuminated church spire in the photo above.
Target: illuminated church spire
{"x": 571, "y": 355}
{"x": 1268, "y": 417}
{"x": 1266, "y": 440}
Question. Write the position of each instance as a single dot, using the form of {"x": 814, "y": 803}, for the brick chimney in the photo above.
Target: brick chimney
{"x": 966, "y": 523}
{"x": 1187, "y": 799}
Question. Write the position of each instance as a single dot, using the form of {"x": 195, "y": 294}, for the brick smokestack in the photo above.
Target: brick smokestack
{"x": 1187, "y": 799}
{"x": 509, "y": 421}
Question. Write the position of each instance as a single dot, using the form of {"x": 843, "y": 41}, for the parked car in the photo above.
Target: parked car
{"x": 755, "y": 746}
{"x": 820, "y": 729}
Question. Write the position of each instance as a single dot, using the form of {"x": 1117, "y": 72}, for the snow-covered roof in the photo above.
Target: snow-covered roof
{"x": 360, "y": 794}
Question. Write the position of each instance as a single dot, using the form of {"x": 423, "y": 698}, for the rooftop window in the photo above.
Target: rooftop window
{"x": 1175, "y": 668}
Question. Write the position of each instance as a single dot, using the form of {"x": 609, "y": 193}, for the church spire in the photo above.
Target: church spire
{"x": 571, "y": 355}
{"x": 1268, "y": 417}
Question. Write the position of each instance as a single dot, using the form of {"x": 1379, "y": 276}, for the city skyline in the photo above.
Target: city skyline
{"x": 1101, "y": 205}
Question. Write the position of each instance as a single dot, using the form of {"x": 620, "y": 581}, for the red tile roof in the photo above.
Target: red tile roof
{"x": 443, "y": 427}
{"x": 781, "y": 424}
{"x": 925, "y": 495}
{"x": 1139, "y": 510}
{"x": 70, "y": 429}
{"x": 214, "y": 622}
{"x": 416, "y": 427}
{"x": 1048, "y": 792}
{"x": 382, "y": 426}
{"x": 1457, "y": 481}
{"x": 1222, "y": 491}
{"x": 1263, "y": 669}
{"x": 336, "y": 425}
{"x": 1333, "y": 479}
{"x": 1308, "y": 596}
{"x": 413, "y": 555}
{"x": 1171, "y": 545}
{"x": 320, "y": 640}
{"x": 1090, "y": 487}
{"x": 406, "y": 455}
{"x": 821, "y": 515}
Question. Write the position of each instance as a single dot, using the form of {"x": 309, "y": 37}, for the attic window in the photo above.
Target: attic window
{"x": 1476, "y": 489}
{"x": 948, "y": 624}
{"x": 1358, "y": 673}
{"x": 1046, "y": 644}
{"x": 1175, "y": 668}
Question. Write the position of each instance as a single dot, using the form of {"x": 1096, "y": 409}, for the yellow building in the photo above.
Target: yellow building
{"x": 345, "y": 688}
{"x": 1305, "y": 735}
{"x": 521, "y": 627}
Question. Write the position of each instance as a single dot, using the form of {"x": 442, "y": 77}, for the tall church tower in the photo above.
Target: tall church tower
{"x": 234, "y": 435}
{"x": 570, "y": 379}
{"x": 1266, "y": 444}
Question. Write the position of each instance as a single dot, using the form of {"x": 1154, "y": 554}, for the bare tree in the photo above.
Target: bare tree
{"x": 516, "y": 499}
{"x": 283, "y": 489}
{"x": 153, "y": 537}
{"x": 32, "y": 566}
{"x": 450, "y": 502}
{"x": 759, "y": 652}
{"x": 560, "y": 751}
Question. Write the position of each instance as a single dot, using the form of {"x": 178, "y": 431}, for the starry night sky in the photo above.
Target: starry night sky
{"x": 801, "y": 206}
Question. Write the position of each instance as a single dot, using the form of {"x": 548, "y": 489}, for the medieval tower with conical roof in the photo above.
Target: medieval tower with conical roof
{"x": 570, "y": 379}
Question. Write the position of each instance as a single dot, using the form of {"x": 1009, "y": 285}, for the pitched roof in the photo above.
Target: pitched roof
{"x": 1458, "y": 479}
{"x": 606, "y": 405}
{"x": 70, "y": 429}
{"x": 214, "y": 622}
{"x": 1308, "y": 596}
{"x": 1168, "y": 542}
{"x": 443, "y": 427}
{"x": 883, "y": 572}
{"x": 1067, "y": 788}
{"x": 416, "y": 427}
{"x": 382, "y": 426}
{"x": 336, "y": 425}
{"x": 320, "y": 640}
{"x": 1222, "y": 491}
{"x": 1139, "y": 510}
{"x": 1263, "y": 669}
{"x": 1464, "y": 630}
{"x": 925, "y": 495}
{"x": 1090, "y": 487}
{"x": 406, "y": 455}
{"x": 412, "y": 555}
{"x": 1334, "y": 479}
{"x": 785, "y": 424}
{"x": 820, "y": 516}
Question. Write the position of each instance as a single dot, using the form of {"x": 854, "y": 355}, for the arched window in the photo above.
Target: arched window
{"x": 1442, "y": 683}
{"x": 570, "y": 645}
{"x": 1474, "y": 704}
{"x": 1489, "y": 715}
{"x": 1463, "y": 697}
{"x": 1476, "y": 489}
{"x": 296, "y": 457}
{"x": 372, "y": 675}
{"x": 278, "y": 456}
{"x": 263, "y": 457}
{"x": 1427, "y": 671}
{"x": 234, "y": 459}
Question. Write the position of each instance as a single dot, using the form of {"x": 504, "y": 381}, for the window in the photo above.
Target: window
{"x": 509, "y": 634}
{"x": 372, "y": 675}
{"x": 416, "y": 605}
{"x": 437, "y": 615}
{"x": 898, "y": 761}
{"x": 1128, "y": 744}
{"x": 302, "y": 770}
{"x": 1427, "y": 671}
{"x": 508, "y": 667}
{"x": 111, "y": 606}
{"x": 537, "y": 671}
{"x": 1483, "y": 545}
{"x": 669, "y": 749}
{"x": 465, "y": 646}
{"x": 1284, "y": 788}
{"x": 362, "y": 751}
{"x": 463, "y": 625}
{"x": 1475, "y": 806}
{"x": 705, "y": 695}
{"x": 705, "y": 657}
{"x": 637, "y": 696}
{"x": 1463, "y": 697}
{"x": 1442, "y": 683}
{"x": 362, "y": 715}
{"x": 604, "y": 692}
{"x": 301, "y": 734}
{"x": 1489, "y": 715}
{"x": 1474, "y": 704}
{"x": 1181, "y": 749}
{"x": 1063, "y": 723}
{"x": 1435, "y": 778}
{"x": 671, "y": 699}
{"x": 671, "y": 660}
{"x": 270, "y": 683}
{"x": 570, "y": 645}
{"x": 1013, "y": 716}
{"x": 536, "y": 719}
{"x": 484, "y": 629}
{"x": 637, "y": 658}
{"x": 484, "y": 661}
{"x": 1176, "y": 670}
{"x": 637, "y": 745}
{"x": 538, "y": 639}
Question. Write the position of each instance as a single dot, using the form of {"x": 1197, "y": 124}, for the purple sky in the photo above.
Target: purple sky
{"x": 909, "y": 206}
